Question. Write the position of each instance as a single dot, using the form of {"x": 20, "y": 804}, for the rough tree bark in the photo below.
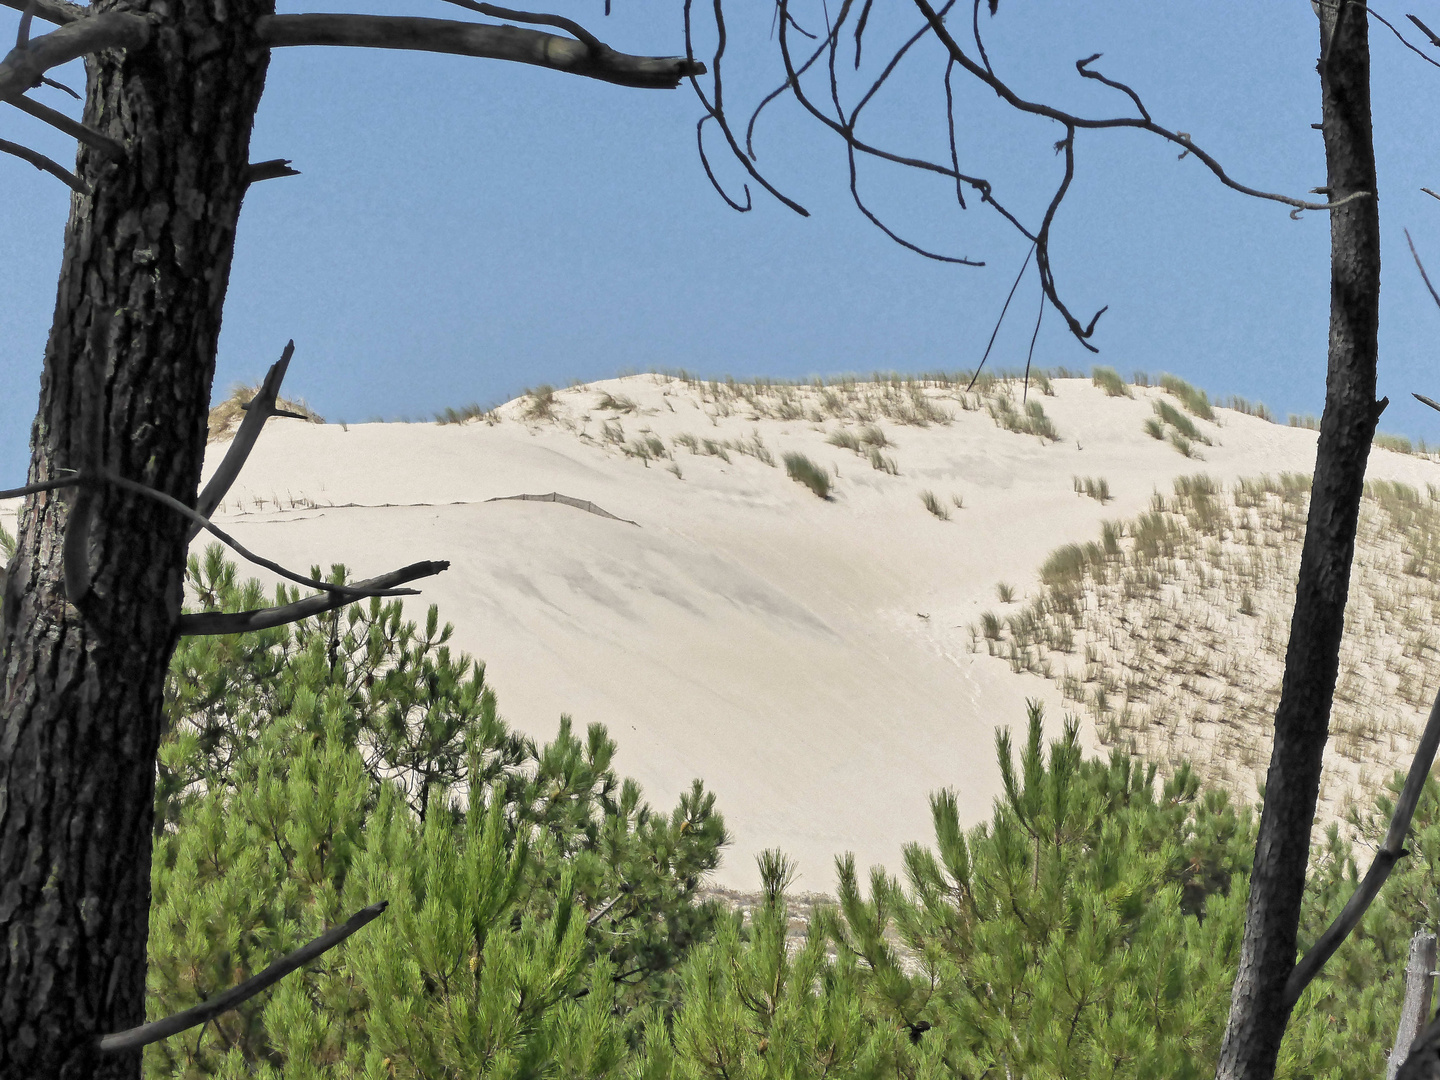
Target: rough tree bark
{"x": 81, "y": 712}
{"x": 1259, "y": 1010}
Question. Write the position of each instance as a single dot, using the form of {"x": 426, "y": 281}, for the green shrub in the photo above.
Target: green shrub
{"x": 802, "y": 470}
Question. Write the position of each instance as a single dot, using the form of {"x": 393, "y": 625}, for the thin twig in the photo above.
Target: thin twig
{"x": 994, "y": 333}
{"x": 716, "y": 112}
{"x": 1423, "y": 275}
{"x": 185, "y": 511}
{"x": 1086, "y": 123}
{"x": 537, "y": 18}
{"x": 1391, "y": 851}
{"x": 213, "y": 623}
{"x": 1428, "y": 59}
{"x": 45, "y": 164}
{"x": 146, "y": 1034}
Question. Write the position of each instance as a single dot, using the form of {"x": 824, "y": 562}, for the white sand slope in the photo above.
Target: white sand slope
{"x": 808, "y": 659}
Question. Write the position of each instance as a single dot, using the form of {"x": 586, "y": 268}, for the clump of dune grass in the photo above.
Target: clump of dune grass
{"x": 1005, "y": 592}
{"x": 539, "y": 403}
{"x": 1179, "y": 421}
{"x": 1309, "y": 421}
{"x": 1096, "y": 487}
{"x": 646, "y": 448}
{"x": 465, "y": 414}
{"x": 1140, "y": 378}
{"x": 611, "y": 403}
{"x": 1249, "y": 408}
{"x": 1032, "y": 422}
{"x": 688, "y": 441}
{"x": 1194, "y": 400}
{"x": 845, "y": 439}
{"x": 1154, "y": 428}
{"x": 804, "y": 471}
{"x": 871, "y": 435}
{"x": 934, "y": 505}
{"x": 958, "y": 502}
{"x": 880, "y": 463}
{"x": 226, "y": 416}
{"x": 1109, "y": 380}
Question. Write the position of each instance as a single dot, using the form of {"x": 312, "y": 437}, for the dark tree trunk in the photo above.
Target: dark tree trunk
{"x": 81, "y": 712}
{"x": 1259, "y": 1012}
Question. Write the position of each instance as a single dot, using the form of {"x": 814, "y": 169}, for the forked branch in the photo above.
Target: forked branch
{"x": 45, "y": 164}
{"x": 206, "y": 1011}
{"x": 24, "y": 66}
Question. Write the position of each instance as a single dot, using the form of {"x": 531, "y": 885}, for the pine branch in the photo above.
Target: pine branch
{"x": 23, "y": 67}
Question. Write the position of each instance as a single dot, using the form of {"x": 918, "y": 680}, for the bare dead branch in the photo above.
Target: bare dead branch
{"x": 1423, "y": 275}
{"x": 269, "y": 170}
{"x": 1425, "y": 30}
{"x": 76, "y": 130}
{"x": 1142, "y": 123}
{"x": 22, "y": 35}
{"x": 45, "y": 164}
{"x": 538, "y": 18}
{"x": 211, "y": 623}
{"x": 716, "y": 112}
{"x": 22, "y": 68}
{"x": 77, "y": 479}
{"x": 995, "y": 333}
{"x": 1426, "y": 401}
{"x": 146, "y": 1034}
{"x": 261, "y": 407}
{"x": 1391, "y": 851}
{"x": 59, "y": 12}
{"x": 1402, "y": 38}
{"x": 471, "y": 39}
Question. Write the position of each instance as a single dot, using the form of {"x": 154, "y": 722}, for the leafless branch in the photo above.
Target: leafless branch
{"x": 535, "y": 17}
{"x": 716, "y": 111}
{"x": 76, "y": 130}
{"x": 1426, "y": 401}
{"x": 269, "y": 170}
{"x": 1423, "y": 275}
{"x": 146, "y": 1034}
{"x": 22, "y": 68}
{"x": 994, "y": 333}
{"x": 1142, "y": 122}
{"x": 211, "y": 623}
{"x": 77, "y": 480}
{"x": 45, "y": 164}
{"x": 1425, "y": 30}
{"x": 471, "y": 39}
{"x": 1391, "y": 851}
{"x": 1403, "y": 40}
{"x": 261, "y": 407}
{"x": 59, "y": 12}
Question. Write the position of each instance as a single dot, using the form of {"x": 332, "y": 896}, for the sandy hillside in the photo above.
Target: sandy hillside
{"x": 818, "y": 662}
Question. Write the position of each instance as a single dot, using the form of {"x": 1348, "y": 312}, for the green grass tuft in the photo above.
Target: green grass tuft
{"x": 1109, "y": 380}
{"x": 934, "y": 505}
{"x": 1194, "y": 400}
{"x": 802, "y": 470}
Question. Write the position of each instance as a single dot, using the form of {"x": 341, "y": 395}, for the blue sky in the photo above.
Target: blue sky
{"x": 464, "y": 229}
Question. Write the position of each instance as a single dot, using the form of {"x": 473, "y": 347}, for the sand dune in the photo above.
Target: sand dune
{"x": 810, "y": 659}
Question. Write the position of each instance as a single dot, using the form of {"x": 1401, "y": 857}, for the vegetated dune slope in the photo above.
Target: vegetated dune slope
{"x": 823, "y": 664}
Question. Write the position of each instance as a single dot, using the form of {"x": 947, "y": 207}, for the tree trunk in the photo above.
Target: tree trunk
{"x": 1258, "y": 1012}
{"x": 81, "y": 712}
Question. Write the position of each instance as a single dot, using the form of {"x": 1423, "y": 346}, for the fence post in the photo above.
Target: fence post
{"x": 1415, "y": 1013}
